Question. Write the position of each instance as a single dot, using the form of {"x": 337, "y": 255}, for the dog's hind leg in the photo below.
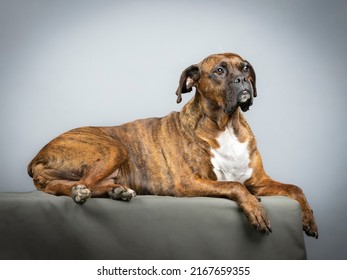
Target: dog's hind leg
{"x": 79, "y": 193}
{"x": 49, "y": 182}
{"x": 108, "y": 188}
{"x": 83, "y": 167}
{"x": 57, "y": 182}
{"x": 103, "y": 176}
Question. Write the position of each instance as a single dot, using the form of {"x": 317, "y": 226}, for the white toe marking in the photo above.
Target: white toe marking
{"x": 133, "y": 193}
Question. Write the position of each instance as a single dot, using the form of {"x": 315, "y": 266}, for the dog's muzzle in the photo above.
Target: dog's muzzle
{"x": 240, "y": 93}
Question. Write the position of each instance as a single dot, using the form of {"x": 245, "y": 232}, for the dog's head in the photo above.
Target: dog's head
{"x": 226, "y": 81}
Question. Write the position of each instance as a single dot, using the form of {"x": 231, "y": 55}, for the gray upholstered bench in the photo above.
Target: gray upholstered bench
{"x": 36, "y": 225}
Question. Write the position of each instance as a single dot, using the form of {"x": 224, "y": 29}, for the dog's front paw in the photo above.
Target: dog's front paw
{"x": 256, "y": 215}
{"x": 309, "y": 224}
{"x": 80, "y": 194}
{"x": 121, "y": 193}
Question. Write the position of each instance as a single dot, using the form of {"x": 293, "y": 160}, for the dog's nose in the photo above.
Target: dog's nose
{"x": 240, "y": 79}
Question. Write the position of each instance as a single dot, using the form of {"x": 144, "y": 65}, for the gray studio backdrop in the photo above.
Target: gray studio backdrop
{"x": 65, "y": 64}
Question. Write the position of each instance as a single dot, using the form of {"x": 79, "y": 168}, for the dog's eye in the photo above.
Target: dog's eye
{"x": 245, "y": 68}
{"x": 219, "y": 71}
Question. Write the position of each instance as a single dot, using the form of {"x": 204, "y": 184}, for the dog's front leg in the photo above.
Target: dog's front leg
{"x": 267, "y": 187}
{"x": 249, "y": 204}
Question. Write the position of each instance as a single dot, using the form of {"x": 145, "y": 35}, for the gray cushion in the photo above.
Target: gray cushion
{"x": 36, "y": 225}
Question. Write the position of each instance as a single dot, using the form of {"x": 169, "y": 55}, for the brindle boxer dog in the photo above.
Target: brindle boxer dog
{"x": 206, "y": 149}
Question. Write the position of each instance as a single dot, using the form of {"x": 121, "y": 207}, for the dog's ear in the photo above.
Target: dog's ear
{"x": 188, "y": 79}
{"x": 251, "y": 69}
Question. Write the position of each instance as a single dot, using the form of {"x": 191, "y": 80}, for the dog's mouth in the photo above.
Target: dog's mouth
{"x": 244, "y": 96}
{"x": 244, "y": 100}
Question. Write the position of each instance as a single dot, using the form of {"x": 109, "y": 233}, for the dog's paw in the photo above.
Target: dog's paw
{"x": 80, "y": 194}
{"x": 309, "y": 224}
{"x": 256, "y": 215}
{"x": 121, "y": 193}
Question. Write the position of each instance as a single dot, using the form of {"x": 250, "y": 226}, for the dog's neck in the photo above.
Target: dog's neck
{"x": 206, "y": 120}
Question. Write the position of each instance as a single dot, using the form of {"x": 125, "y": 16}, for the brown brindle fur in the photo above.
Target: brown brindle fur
{"x": 169, "y": 155}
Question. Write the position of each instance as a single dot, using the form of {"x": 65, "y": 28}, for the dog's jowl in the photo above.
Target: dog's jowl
{"x": 206, "y": 149}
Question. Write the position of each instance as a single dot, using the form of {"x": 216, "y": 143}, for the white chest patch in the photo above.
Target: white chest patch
{"x": 231, "y": 160}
